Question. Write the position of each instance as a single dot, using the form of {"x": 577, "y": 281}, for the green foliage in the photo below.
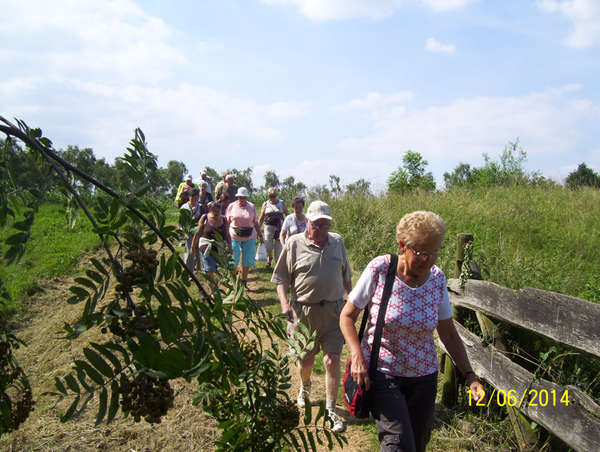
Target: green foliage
{"x": 508, "y": 171}
{"x": 271, "y": 180}
{"x": 583, "y": 177}
{"x": 160, "y": 323}
{"x": 412, "y": 175}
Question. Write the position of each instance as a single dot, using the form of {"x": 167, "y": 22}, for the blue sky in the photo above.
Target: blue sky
{"x": 310, "y": 88}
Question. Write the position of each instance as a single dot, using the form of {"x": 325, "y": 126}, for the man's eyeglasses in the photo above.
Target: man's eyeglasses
{"x": 422, "y": 255}
{"x": 320, "y": 227}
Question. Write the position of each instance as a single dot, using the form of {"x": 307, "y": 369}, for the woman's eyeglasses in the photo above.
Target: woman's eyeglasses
{"x": 423, "y": 255}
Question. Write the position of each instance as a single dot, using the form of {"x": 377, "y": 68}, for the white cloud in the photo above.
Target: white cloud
{"x": 210, "y": 45}
{"x": 434, "y": 46}
{"x": 444, "y": 5}
{"x": 585, "y": 15}
{"x": 88, "y": 39}
{"x": 466, "y": 128}
{"x": 375, "y": 100}
{"x": 287, "y": 109}
{"x": 372, "y": 9}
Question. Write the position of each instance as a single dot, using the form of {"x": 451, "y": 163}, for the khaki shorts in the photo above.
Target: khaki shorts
{"x": 325, "y": 320}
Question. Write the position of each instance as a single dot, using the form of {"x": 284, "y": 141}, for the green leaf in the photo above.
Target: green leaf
{"x": 61, "y": 388}
{"x": 114, "y": 402}
{"x": 72, "y": 383}
{"x": 78, "y": 291}
{"x": 99, "y": 266}
{"x": 85, "y": 282}
{"x": 303, "y": 439}
{"x": 312, "y": 441}
{"x": 17, "y": 239}
{"x": 69, "y": 413}
{"x": 307, "y": 414}
{"x": 112, "y": 358}
{"x": 90, "y": 371}
{"x": 102, "y": 405}
{"x": 95, "y": 276}
{"x": 98, "y": 362}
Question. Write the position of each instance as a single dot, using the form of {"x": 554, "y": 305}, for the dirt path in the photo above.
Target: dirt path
{"x": 185, "y": 428}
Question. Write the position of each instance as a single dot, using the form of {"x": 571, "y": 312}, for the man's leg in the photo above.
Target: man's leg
{"x": 332, "y": 384}
{"x": 304, "y": 369}
{"x": 332, "y": 377}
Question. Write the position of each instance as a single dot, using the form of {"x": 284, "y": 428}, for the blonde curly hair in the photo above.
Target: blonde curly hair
{"x": 421, "y": 227}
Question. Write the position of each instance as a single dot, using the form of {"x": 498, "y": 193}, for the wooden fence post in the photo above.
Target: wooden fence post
{"x": 449, "y": 382}
{"x": 526, "y": 438}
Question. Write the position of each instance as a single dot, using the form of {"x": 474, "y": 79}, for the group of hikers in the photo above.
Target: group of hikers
{"x": 314, "y": 285}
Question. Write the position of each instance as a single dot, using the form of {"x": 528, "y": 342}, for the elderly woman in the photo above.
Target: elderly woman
{"x": 295, "y": 222}
{"x": 205, "y": 195}
{"x": 272, "y": 214}
{"x": 243, "y": 228}
{"x": 209, "y": 226}
{"x": 404, "y": 387}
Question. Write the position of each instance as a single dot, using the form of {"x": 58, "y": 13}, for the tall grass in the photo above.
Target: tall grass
{"x": 546, "y": 238}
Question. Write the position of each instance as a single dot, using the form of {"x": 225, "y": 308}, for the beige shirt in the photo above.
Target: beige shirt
{"x": 314, "y": 274}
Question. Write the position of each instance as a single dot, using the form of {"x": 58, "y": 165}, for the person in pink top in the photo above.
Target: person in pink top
{"x": 243, "y": 228}
{"x": 404, "y": 386}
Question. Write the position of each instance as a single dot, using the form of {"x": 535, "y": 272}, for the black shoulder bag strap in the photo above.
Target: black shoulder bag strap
{"x": 385, "y": 297}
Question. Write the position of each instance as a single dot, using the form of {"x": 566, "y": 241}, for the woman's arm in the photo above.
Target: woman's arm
{"x": 359, "y": 369}
{"x": 261, "y": 219}
{"x": 197, "y": 235}
{"x": 258, "y": 225}
{"x": 454, "y": 344}
{"x": 285, "y": 209}
{"x": 227, "y": 234}
{"x": 282, "y": 235}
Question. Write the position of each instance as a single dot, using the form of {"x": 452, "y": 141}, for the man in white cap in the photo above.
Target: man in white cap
{"x": 315, "y": 266}
{"x": 210, "y": 186}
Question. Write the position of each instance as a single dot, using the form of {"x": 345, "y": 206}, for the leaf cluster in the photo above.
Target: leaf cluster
{"x": 159, "y": 323}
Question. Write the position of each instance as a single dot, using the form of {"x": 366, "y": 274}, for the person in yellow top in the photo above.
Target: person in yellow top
{"x": 184, "y": 190}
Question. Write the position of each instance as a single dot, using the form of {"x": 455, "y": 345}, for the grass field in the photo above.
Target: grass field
{"x": 53, "y": 250}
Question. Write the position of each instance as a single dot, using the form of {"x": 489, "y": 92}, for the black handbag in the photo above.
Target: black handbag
{"x": 356, "y": 398}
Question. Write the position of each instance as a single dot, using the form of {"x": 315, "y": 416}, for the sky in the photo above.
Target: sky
{"x": 310, "y": 88}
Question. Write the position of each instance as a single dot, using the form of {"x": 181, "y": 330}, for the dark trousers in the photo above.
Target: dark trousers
{"x": 403, "y": 409}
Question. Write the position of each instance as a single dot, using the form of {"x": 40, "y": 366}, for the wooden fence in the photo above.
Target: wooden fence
{"x": 565, "y": 411}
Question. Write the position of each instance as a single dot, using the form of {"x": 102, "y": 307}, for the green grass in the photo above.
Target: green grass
{"x": 546, "y": 238}
{"x": 53, "y": 250}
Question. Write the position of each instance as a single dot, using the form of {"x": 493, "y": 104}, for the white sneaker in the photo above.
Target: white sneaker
{"x": 338, "y": 425}
{"x": 303, "y": 394}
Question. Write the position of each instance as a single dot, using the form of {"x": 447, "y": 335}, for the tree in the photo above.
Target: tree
{"x": 290, "y": 188}
{"x": 243, "y": 178}
{"x": 175, "y": 172}
{"x": 584, "y": 176}
{"x": 153, "y": 327}
{"x": 412, "y": 175}
{"x": 361, "y": 187}
{"x": 271, "y": 180}
{"x": 334, "y": 183}
{"x": 509, "y": 170}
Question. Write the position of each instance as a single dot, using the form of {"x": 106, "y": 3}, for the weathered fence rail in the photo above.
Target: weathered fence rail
{"x": 572, "y": 322}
